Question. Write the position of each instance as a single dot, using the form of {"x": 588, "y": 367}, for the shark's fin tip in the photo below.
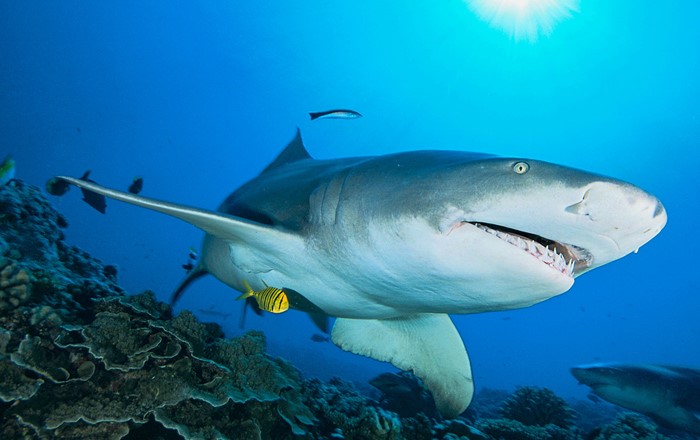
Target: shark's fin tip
{"x": 293, "y": 152}
{"x": 428, "y": 345}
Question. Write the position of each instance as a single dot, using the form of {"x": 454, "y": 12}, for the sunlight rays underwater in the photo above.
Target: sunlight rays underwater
{"x": 524, "y": 19}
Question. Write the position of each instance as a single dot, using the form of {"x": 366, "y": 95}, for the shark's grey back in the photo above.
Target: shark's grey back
{"x": 272, "y": 199}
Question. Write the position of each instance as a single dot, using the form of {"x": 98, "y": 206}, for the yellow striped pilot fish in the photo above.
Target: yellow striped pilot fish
{"x": 270, "y": 299}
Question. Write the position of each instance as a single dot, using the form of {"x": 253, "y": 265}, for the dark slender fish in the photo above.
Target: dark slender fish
{"x": 136, "y": 185}
{"x": 192, "y": 257}
{"x": 319, "y": 338}
{"x": 93, "y": 199}
{"x": 213, "y": 312}
{"x": 335, "y": 114}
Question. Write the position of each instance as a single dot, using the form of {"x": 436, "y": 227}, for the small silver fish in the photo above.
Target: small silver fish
{"x": 335, "y": 114}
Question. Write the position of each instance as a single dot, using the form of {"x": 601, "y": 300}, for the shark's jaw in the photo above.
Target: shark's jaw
{"x": 562, "y": 257}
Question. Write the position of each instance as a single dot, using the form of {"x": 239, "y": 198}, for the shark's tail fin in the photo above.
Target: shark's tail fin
{"x": 197, "y": 272}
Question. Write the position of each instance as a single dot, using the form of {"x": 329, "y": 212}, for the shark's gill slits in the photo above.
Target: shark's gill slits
{"x": 561, "y": 257}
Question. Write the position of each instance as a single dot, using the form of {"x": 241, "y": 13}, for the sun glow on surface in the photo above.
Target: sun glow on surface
{"x": 524, "y": 19}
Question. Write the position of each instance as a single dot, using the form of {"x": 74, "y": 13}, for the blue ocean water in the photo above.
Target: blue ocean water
{"x": 199, "y": 97}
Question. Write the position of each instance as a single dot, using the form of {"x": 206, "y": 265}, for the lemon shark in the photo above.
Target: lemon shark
{"x": 391, "y": 245}
{"x": 670, "y": 395}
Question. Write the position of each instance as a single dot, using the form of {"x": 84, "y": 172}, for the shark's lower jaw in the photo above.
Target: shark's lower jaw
{"x": 565, "y": 258}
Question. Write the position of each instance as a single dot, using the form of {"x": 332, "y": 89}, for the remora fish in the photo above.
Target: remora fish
{"x": 391, "y": 245}
{"x": 669, "y": 395}
{"x": 335, "y": 114}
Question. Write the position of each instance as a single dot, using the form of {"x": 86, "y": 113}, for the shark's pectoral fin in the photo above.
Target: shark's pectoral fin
{"x": 224, "y": 226}
{"x": 428, "y": 344}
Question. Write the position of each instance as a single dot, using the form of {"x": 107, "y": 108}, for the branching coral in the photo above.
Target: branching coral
{"x": 404, "y": 394}
{"x": 338, "y": 405}
{"x": 121, "y": 368}
{"x": 15, "y": 285}
{"x": 537, "y": 407}
{"x": 629, "y": 426}
{"x": 514, "y": 430}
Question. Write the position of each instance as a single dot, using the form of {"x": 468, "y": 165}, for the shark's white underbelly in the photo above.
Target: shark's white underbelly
{"x": 389, "y": 275}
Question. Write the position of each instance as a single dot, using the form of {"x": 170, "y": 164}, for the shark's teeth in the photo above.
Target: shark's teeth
{"x": 548, "y": 256}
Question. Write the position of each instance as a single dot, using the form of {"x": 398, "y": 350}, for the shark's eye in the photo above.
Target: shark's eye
{"x": 521, "y": 167}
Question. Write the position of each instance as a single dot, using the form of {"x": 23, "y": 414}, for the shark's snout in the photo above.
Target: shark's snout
{"x": 620, "y": 201}
{"x": 621, "y": 216}
{"x": 595, "y": 376}
{"x": 582, "y": 375}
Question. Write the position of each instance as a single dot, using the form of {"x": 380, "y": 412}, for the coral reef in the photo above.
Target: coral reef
{"x": 404, "y": 394}
{"x": 592, "y": 413}
{"x": 533, "y": 406}
{"x": 126, "y": 367}
{"x": 528, "y": 414}
{"x": 457, "y": 429}
{"x": 514, "y": 430}
{"x": 79, "y": 358}
{"x": 628, "y": 426}
{"x": 338, "y": 405}
{"x": 487, "y": 404}
{"x": 40, "y": 275}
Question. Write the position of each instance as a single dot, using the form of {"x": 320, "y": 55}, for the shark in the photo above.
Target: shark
{"x": 670, "y": 395}
{"x": 391, "y": 245}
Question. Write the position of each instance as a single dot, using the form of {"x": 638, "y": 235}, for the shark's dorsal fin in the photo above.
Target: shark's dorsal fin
{"x": 293, "y": 152}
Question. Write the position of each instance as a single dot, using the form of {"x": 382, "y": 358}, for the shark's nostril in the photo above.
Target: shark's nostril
{"x": 580, "y": 207}
{"x": 659, "y": 209}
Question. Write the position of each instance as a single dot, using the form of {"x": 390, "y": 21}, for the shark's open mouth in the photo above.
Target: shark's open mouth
{"x": 565, "y": 258}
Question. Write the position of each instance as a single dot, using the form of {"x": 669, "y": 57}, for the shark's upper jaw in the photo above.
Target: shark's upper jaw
{"x": 567, "y": 259}
{"x": 562, "y": 257}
